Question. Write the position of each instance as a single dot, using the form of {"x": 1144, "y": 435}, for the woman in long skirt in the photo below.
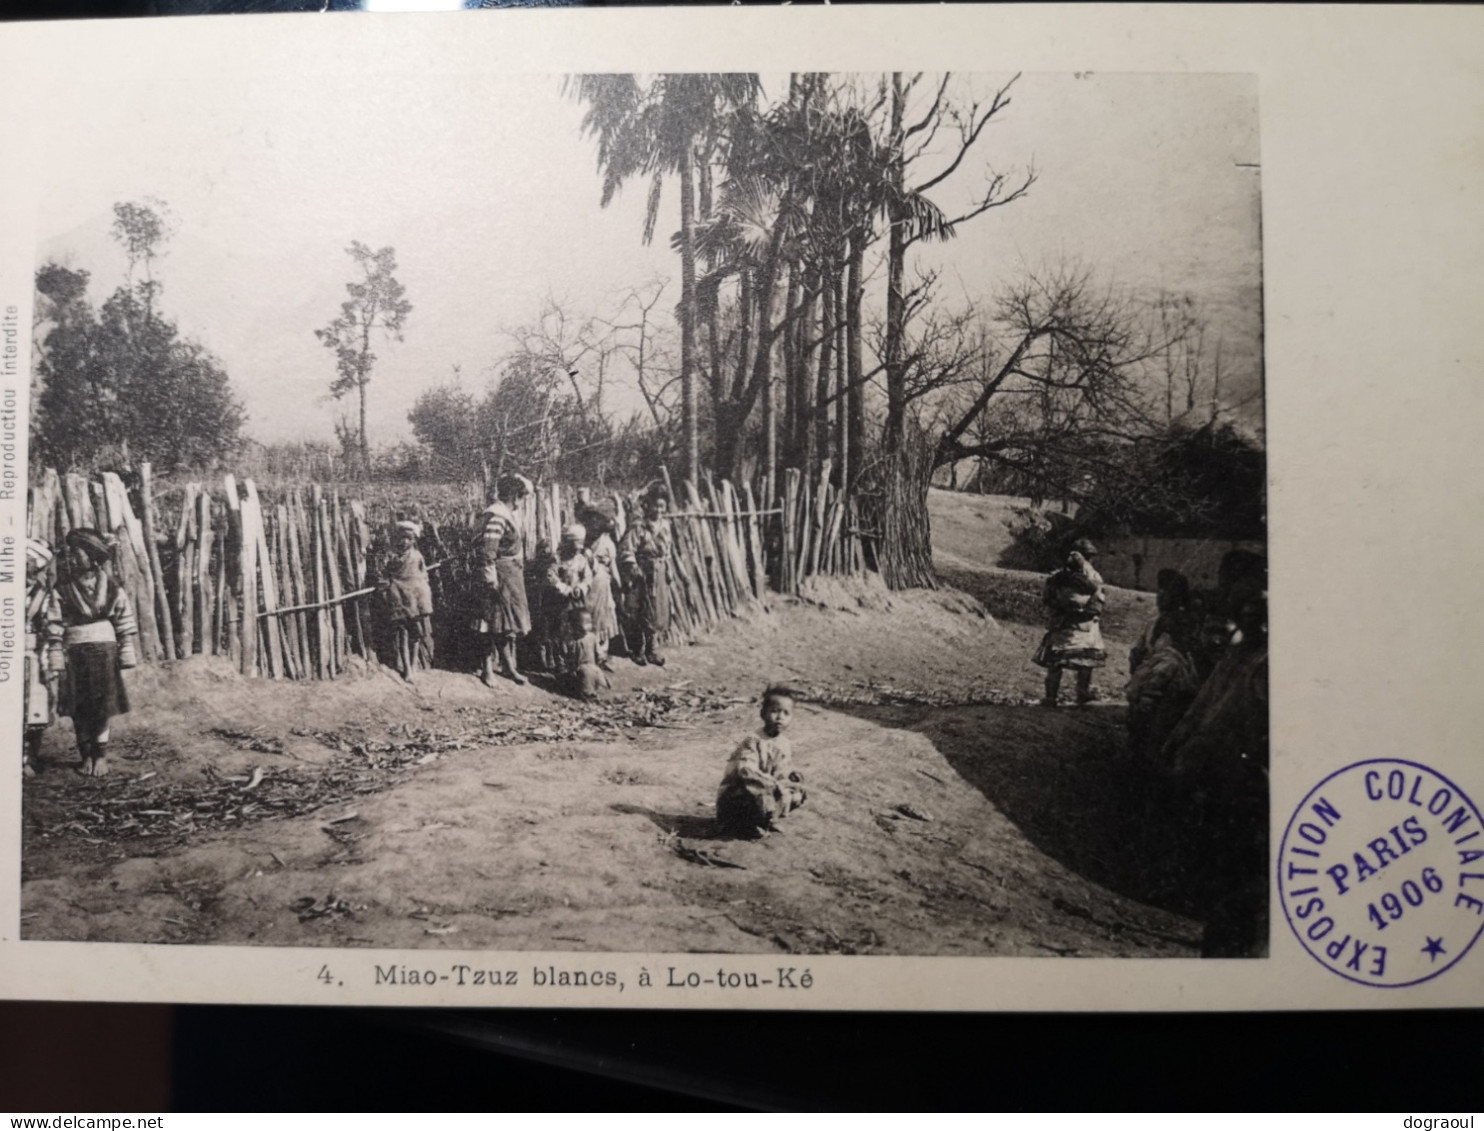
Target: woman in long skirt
{"x": 505, "y": 614}
{"x": 604, "y": 555}
{"x": 644, "y": 558}
{"x": 99, "y": 634}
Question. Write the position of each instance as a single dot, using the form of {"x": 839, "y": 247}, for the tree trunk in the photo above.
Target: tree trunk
{"x": 843, "y": 467}
{"x": 690, "y": 421}
{"x": 893, "y": 499}
{"x": 803, "y": 394}
{"x": 790, "y": 371}
{"x": 896, "y": 259}
{"x": 826, "y": 373}
{"x": 770, "y": 439}
{"x": 856, "y": 398}
{"x": 365, "y": 444}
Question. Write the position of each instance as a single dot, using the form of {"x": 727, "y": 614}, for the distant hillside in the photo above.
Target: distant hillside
{"x": 969, "y": 530}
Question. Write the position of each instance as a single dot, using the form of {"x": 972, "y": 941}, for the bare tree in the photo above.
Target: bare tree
{"x": 377, "y": 303}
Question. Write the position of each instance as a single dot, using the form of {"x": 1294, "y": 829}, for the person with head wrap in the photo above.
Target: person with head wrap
{"x": 1218, "y": 759}
{"x": 599, "y": 519}
{"x": 99, "y": 638}
{"x": 604, "y": 557}
{"x": 644, "y": 561}
{"x": 409, "y": 599}
{"x": 1074, "y": 599}
{"x": 505, "y": 614}
{"x": 44, "y": 655}
{"x": 1162, "y": 673}
{"x": 569, "y": 580}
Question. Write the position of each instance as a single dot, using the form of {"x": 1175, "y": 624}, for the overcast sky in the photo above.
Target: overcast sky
{"x": 490, "y": 197}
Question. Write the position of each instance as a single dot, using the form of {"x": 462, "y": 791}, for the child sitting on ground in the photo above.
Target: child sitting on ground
{"x": 759, "y": 786}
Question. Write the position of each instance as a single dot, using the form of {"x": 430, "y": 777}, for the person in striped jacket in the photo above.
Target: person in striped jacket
{"x": 99, "y": 638}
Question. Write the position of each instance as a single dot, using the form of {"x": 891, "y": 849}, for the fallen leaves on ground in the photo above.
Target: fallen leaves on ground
{"x": 169, "y": 812}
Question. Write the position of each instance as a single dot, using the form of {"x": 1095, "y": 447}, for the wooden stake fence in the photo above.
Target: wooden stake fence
{"x": 283, "y": 588}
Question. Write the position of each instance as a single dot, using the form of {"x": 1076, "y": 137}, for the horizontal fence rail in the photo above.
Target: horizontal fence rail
{"x": 282, "y": 581}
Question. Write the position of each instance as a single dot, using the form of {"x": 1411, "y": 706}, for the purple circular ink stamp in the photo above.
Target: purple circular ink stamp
{"x": 1381, "y": 873}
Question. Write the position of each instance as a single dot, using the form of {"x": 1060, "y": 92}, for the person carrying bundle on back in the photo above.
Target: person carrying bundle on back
{"x": 409, "y": 600}
{"x": 603, "y": 554}
{"x": 644, "y": 559}
{"x": 99, "y": 638}
{"x": 1074, "y": 600}
{"x": 569, "y": 579}
{"x": 44, "y": 657}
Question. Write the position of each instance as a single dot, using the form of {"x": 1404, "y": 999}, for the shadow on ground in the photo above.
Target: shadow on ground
{"x": 691, "y": 826}
{"x": 1064, "y": 779}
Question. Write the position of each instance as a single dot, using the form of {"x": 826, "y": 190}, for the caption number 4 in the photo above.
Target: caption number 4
{"x": 327, "y": 978}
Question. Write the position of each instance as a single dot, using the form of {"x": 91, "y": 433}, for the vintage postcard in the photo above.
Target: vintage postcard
{"x": 954, "y": 508}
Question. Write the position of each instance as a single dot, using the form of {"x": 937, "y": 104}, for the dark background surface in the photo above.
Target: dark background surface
{"x": 142, "y": 1058}
{"x": 134, "y": 1058}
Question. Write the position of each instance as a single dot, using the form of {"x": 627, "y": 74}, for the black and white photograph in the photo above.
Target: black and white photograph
{"x": 761, "y": 513}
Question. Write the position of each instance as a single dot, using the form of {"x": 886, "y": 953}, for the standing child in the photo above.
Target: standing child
{"x": 569, "y": 579}
{"x": 98, "y": 638}
{"x": 760, "y": 786}
{"x": 585, "y": 676}
{"x": 44, "y": 660}
{"x": 409, "y": 599}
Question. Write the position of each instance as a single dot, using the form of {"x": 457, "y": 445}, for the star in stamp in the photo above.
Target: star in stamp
{"x": 1381, "y": 873}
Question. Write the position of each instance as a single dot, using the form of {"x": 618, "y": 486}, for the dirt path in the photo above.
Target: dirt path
{"x": 946, "y": 816}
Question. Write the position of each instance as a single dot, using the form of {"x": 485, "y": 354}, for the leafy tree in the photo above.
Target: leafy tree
{"x": 142, "y": 229}
{"x": 120, "y": 380}
{"x": 444, "y": 421}
{"x": 377, "y": 303}
{"x": 669, "y": 123}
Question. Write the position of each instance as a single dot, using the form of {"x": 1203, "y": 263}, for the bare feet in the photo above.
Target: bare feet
{"x": 27, "y": 771}
{"x": 85, "y": 767}
{"x": 515, "y": 677}
{"x": 100, "y": 767}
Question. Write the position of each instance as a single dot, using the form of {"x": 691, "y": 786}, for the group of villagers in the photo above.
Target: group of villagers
{"x": 591, "y": 590}
{"x": 594, "y": 590}
{"x": 1197, "y": 720}
{"x": 1197, "y": 693}
{"x": 81, "y": 632}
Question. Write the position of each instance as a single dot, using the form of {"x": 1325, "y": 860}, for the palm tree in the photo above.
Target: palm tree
{"x": 650, "y": 129}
